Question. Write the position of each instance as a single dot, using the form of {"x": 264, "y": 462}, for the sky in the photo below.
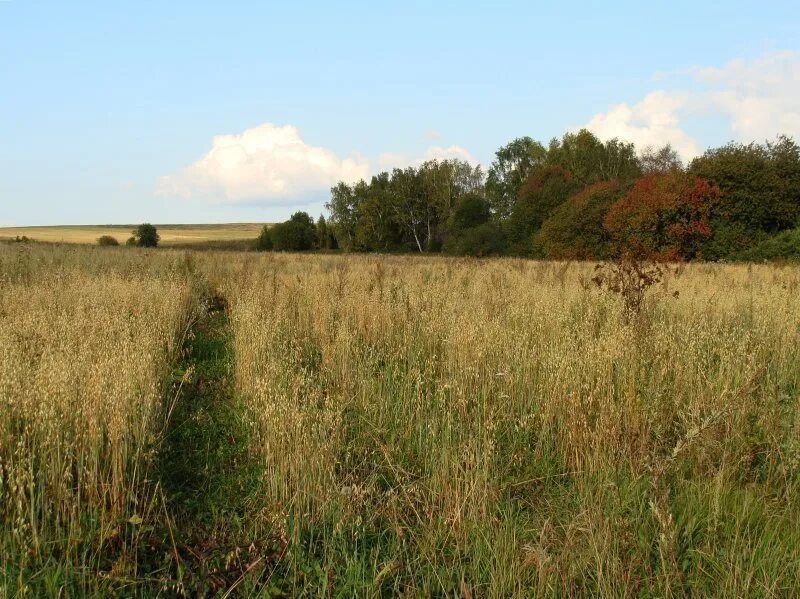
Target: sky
{"x": 172, "y": 112}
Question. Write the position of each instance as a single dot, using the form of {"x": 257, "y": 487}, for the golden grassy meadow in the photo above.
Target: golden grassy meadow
{"x": 171, "y": 235}
{"x": 414, "y": 426}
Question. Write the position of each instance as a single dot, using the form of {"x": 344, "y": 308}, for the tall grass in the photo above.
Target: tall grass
{"x": 421, "y": 426}
{"x": 497, "y": 428}
{"x": 85, "y": 343}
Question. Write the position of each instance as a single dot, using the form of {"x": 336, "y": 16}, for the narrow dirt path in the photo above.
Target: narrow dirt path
{"x": 201, "y": 545}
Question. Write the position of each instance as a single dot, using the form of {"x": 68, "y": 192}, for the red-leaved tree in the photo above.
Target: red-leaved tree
{"x": 663, "y": 217}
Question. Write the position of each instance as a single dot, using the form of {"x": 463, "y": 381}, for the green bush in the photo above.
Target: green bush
{"x": 470, "y": 211}
{"x": 146, "y": 236}
{"x": 107, "y": 240}
{"x": 295, "y": 235}
{"x": 781, "y": 246}
{"x": 487, "y": 239}
{"x": 575, "y": 229}
{"x": 544, "y": 191}
{"x": 264, "y": 241}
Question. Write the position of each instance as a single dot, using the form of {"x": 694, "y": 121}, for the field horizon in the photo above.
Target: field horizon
{"x": 171, "y": 234}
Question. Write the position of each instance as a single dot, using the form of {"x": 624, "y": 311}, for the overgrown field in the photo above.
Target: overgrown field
{"x": 378, "y": 426}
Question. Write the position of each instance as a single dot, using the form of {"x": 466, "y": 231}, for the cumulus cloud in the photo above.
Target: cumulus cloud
{"x": 267, "y": 162}
{"x": 272, "y": 163}
{"x": 760, "y": 97}
{"x": 757, "y": 97}
{"x": 651, "y": 122}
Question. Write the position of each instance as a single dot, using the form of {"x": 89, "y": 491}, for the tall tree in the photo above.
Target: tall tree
{"x": 760, "y": 187}
{"x": 590, "y": 160}
{"x": 377, "y": 228}
{"x": 511, "y": 167}
{"x": 654, "y": 161}
{"x": 343, "y": 209}
{"x": 411, "y": 211}
{"x": 760, "y": 184}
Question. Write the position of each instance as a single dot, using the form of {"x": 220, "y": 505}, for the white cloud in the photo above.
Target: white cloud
{"x": 273, "y": 163}
{"x": 759, "y": 99}
{"x": 651, "y": 122}
{"x": 267, "y": 162}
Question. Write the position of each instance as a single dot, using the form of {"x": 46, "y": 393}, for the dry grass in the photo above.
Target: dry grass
{"x": 422, "y": 426}
{"x": 496, "y": 428}
{"x": 171, "y": 235}
{"x": 85, "y": 343}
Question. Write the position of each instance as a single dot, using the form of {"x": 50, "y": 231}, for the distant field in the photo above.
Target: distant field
{"x": 170, "y": 234}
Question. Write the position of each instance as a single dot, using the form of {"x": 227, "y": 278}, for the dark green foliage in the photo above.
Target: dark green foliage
{"x": 131, "y": 241}
{"x": 760, "y": 184}
{"x": 545, "y": 190}
{"x": 575, "y": 229}
{"x": 264, "y": 241}
{"x": 487, "y": 239}
{"x": 406, "y": 210}
{"x": 511, "y": 167}
{"x": 590, "y": 160}
{"x": 107, "y": 240}
{"x": 146, "y": 236}
{"x": 781, "y": 246}
{"x": 470, "y": 211}
{"x": 295, "y": 235}
{"x": 325, "y": 238}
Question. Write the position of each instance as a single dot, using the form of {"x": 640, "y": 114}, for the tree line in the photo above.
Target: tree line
{"x": 575, "y": 198}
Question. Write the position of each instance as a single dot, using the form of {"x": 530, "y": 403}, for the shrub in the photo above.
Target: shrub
{"x": 664, "y": 216}
{"x": 296, "y": 234}
{"x": 575, "y": 229}
{"x": 487, "y": 239}
{"x": 107, "y": 240}
{"x": 264, "y": 241}
{"x": 146, "y": 236}
{"x": 131, "y": 241}
{"x": 543, "y": 192}
{"x": 781, "y": 246}
{"x": 630, "y": 278}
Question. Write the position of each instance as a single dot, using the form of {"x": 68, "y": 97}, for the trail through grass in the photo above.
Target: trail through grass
{"x": 204, "y": 544}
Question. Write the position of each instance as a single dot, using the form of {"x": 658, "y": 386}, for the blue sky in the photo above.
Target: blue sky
{"x": 110, "y": 110}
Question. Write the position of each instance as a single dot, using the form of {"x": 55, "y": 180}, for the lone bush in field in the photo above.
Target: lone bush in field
{"x": 630, "y": 278}
{"x": 146, "y": 236}
{"x": 107, "y": 240}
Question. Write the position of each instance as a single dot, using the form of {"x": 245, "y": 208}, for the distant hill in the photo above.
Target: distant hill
{"x": 209, "y": 235}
